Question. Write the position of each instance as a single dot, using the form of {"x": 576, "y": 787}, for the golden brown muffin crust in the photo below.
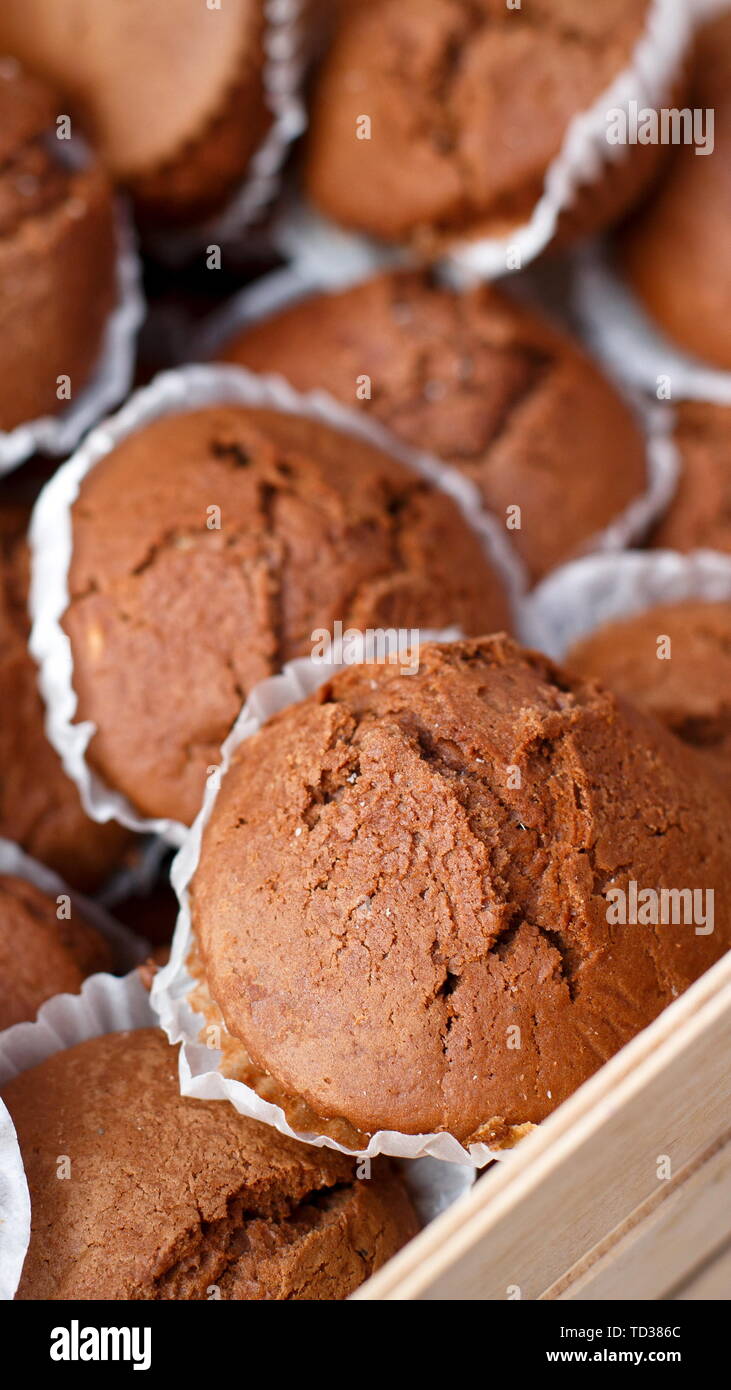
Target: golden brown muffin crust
{"x": 687, "y": 687}
{"x": 57, "y": 255}
{"x": 172, "y": 1198}
{"x": 375, "y": 889}
{"x": 41, "y": 954}
{"x": 171, "y": 623}
{"x": 480, "y": 381}
{"x": 699, "y": 516}
{"x": 171, "y": 95}
{"x": 469, "y": 101}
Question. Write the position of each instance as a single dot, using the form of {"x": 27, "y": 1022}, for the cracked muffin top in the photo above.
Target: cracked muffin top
{"x": 42, "y": 953}
{"x": 402, "y": 896}
{"x": 235, "y": 1207}
{"x": 207, "y": 549}
{"x": 479, "y": 380}
{"x": 57, "y": 254}
{"x": 674, "y": 660}
{"x": 468, "y": 103}
{"x": 40, "y": 808}
{"x": 699, "y": 516}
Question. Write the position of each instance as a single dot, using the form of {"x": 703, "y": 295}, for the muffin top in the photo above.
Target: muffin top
{"x": 408, "y": 877}
{"x": 209, "y": 547}
{"x": 676, "y": 251}
{"x": 479, "y": 380}
{"x": 140, "y": 112}
{"x": 41, "y": 809}
{"x": 468, "y": 103}
{"x": 235, "y": 1206}
{"x": 674, "y": 660}
{"x": 699, "y": 516}
{"x": 46, "y": 948}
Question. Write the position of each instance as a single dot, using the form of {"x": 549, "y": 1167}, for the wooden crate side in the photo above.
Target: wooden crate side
{"x": 664, "y": 1240}
{"x": 711, "y": 1281}
{"x": 581, "y": 1175}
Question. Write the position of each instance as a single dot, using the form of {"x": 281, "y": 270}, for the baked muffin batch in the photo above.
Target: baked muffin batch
{"x": 400, "y": 918}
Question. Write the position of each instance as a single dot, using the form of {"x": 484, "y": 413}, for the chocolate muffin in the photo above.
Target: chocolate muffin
{"x": 40, "y": 808}
{"x": 210, "y": 546}
{"x": 42, "y": 954}
{"x": 674, "y": 661}
{"x": 235, "y": 1211}
{"x": 57, "y": 254}
{"x": 172, "y": 95}
{"x": 699, "y": 516}
{"x": 468, "y": 102}
{"x": 420, "y": 880}
{"x": 481, "y": 381}
{"x": 676, "y": 252}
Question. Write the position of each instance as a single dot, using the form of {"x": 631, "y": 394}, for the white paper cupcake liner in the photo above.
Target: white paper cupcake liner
{"x": 110, "y": 1005}
{"x": 663, "y": 467}
{"x": 584, "y": 155}
{"x": 580, "y": 597}
{"x": 631, "y": 347}
{"x": 59, "y": 434}
{"x": 200, "y": 1072}
{"x": 14, "y": 1208}
{"x": 128, "y": 948}
{"x": 50, "y": 535}
{"x": 105, "y": 1004}
{"x": 286, "y": 50}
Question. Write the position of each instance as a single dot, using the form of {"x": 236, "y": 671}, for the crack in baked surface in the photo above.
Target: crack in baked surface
{"x": 418, "y": 890}
{"x": 173, "y": 620}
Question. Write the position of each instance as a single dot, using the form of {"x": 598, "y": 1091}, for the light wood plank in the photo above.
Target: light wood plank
{"x": 665, "y": 1238}
{"x": 713, "y": 1281}
{"x": 584, "y": 1172}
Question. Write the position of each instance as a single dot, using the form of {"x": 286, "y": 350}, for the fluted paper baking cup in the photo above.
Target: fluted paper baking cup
{"x": 628, "y": 344}
{"x": 105, "y": 1004}
{"x": 583, "y": 596}
{"x": 128, "y": 948}
{"x": 663, "y": 467}
{"x": 286, "y": 50}
{"x": 585, "y": 153}
{"x": 110, "y": 1005}
{"x": 50, "y": 536}
{"x": 112, "y": 376}
{"x": 202, "y": 1068}
{"x": 14, "y": 1208}
{"x": 633, "y": 349}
